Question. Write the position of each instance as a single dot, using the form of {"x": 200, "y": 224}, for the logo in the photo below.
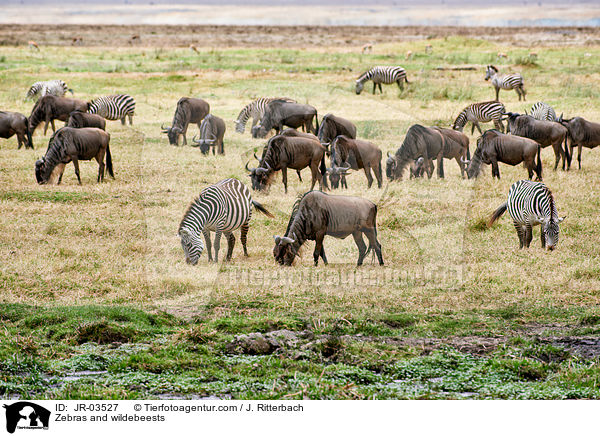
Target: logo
{"x": 26, "y": 415}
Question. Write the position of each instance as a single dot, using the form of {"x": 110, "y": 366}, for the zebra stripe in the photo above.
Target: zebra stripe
{"x": 529, "y": 204}
{"x": 382, "y": 74}
{"x": 113, "y": 107}
{"x": 508, "y": 81}
{"x": 220, "y": 208}
{"x": 256, "y": 110}
{"x": 56, "y": 87}
{"x": 543, "y": 111}
{"x": 483, "y": 112}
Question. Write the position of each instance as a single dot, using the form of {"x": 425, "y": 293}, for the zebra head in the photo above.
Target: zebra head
{"x": 239, "y": 126}
{"x": 490, "y": 72}
{"x": 551, "y": 231}
{"x": 359, "y": 86}
{"x": 192, "y": 245}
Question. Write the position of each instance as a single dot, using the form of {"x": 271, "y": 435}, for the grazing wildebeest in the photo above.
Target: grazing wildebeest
{"x": 317, "y": 214}
{"x": 285, "y": 152}
{"x": 71, "y": 144}
{"x": 212, "y": 131}
{"x": 12, "y": 123}
{"x": 581, "y": 133}
{"x": 456, "y": 146}
{"x": 529, "y": 204}
{"x": 256, "y": 110}
{"x": 50, "y": 108}
{"x": 544, "y": 133}
{"x": 332, "y": 126}
{"x": 189, "y": 110}
{"x": 83, "y": 119}
{"x": 279, "y": 113}
{"x": 494, "y": 147}
{"x": 366, "y": 155}
{"x": 419, "y": 141}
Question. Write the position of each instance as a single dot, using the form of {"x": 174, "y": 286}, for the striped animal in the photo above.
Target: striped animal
{"x": 483, "y": 112}
{"x": 508, "y": 81}
{"x": 543, "y": 112}
{"x": 114, "y": 107}
{"x": 56, "y": 87}
{"x": 220, "y": 208}
{"x": 255, "y": 110}
{"x": 379, "y": 75}
{"x": 529, "y": 204}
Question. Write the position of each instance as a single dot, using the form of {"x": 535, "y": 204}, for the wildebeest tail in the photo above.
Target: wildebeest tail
{"x": 28, "y": 132}
{"x": 568, "y": 157}
{"x": 109, "y": 162}
{"x": 538, "y": 167}
{"x": 259, "y": 207}
{"x": 497, "y": 214}
{"x": 316, "y": 123}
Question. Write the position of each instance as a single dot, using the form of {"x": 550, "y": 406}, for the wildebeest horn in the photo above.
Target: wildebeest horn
{"x": 465, "y": 161}
{"x": 256, "y": 157}
{"x": 164, "y": 129}
{"x": 248, "y": 169}
{"x": 277, "y": 239}
{"x": 389, "y": 155}
{"x": 268, "y": 166}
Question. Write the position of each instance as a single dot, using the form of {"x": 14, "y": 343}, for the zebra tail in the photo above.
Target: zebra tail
{"x": 497, "y": 214}
{"x": 109, "y": 162}
{"x": 539, "y": 162}
{"x": 259, "y": 207}
{"x": 406, "y": 79}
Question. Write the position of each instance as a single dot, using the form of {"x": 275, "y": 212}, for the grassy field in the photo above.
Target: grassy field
{"x": 98, "y": 302}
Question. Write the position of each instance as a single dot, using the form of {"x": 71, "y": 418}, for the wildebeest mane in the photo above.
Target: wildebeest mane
{"x": 295, "y": 209}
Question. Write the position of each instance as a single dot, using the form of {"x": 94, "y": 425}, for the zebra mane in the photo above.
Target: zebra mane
{"x": 551, "y": 200}
{"x": 362, "y": 76}
{"x": 190, "y": 207}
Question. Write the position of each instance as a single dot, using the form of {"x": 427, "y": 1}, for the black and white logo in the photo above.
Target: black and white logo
{"x": 26, "y": 415}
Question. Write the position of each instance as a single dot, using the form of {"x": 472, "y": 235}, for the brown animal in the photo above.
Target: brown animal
{"x": 456, "y": 146}
{"x": 33, "y": 45}
{"x": 50, "y": 108}
{"x": 332, "y": 126}
{"x": 70, "y": 144}
{"x": 212, "y": 131}
{"x": 494, "y": 147}
{"x": 366, "y": 155}
{"x": 419, "y": 141}
{"x": 279, "y": 113}
{"x": 12, "y": 123}
{"x": 83, "y": 119}
{"x": 189, "y": 110}
{"x": 582, "y": 133}
{"x": 316, "y": 214}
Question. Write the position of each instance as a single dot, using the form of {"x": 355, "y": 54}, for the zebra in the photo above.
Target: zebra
{"x": 484, "y": 112}
{"x": 114, "y": 107}
{"x": 56, "y": 87}
{"x": 543, "y": 111}
{"x": 529, "y": 204}
{"x": 256, "y": 110}
{"x": 220, "y": 208}
{"x": 508, "y": 81}
{"x": 379, "y": 75}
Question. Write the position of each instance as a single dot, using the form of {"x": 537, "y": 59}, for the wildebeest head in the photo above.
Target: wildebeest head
{"x": 172, "y": 133}
{"x": 260, "y": 176}
{"x": 473, "y": 166}
{"x": 39, "y": 171}
{"x": 551, "y": 231}
{"x": 512, "y": 121}
{"x": 390, "y": 167}
{"x": 417, "y": 168}
{"x": 359, "y": 86}
{"x": 192, "y": 245}
{"x": 335, "y": 174}
{"x": 285, "y": 250}
{"x": 490, "y": 72}
{"x": 259, "y": 131}
{"x": 204, "y": 143}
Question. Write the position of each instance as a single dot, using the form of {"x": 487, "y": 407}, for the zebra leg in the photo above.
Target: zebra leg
{"x": 217, "y": 244}
{"x": 130, "y": 119}
{"x": 400, "y": 85}
{"x": 497, "y": 93}
{"x": 374, "y": 87}
{"x": 543, "y": 236}
{"x": 528, "y": 235}
{"x": 318, "y": 246}
{"x": 380, "y": 90}
{"x": 230, "y": 245}
{"x": 123, "y": 120}
{"x": 519, "y": 229}
{"x": 206, "y": 234}
{"x": 244, "y": 237}
{"x": 362, "y": 248}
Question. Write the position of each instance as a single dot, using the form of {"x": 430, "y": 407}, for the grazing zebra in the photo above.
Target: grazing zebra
{"x": 220, "y": 208}
{"x": 483, "y": 112}
{"x": 56, "y": 87}
{"x": 543, "y": 112}
{"x": 379, "y": 75}
{"x": 529, "y": 204}
{"x": 508, "y": 81}
{"x": 256, "y": 110}
{"x": 113, "y": 107}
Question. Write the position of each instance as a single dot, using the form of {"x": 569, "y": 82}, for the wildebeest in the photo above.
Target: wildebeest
{"x": 544, "y": 133}
{"x": 189, "y": 110}
{"x": 279, "y": 113}
{"x": 14, "y": 123}
{"x": 332, "y": 126}
{"x": 212, "y": 131}
{"x": 366, "y": 155}
{"x": 285, "y": 152}
{"x": 494, "y": 147}
{"x": 419, "y": 141}
{"x": 50, "y": 108}
{"x": 83, "y": 119}
{"x": 71, "y": 144}
{"x": 456, "y": 146}
{"x": 581, "y": 133}
{"x": 317, "y": 214}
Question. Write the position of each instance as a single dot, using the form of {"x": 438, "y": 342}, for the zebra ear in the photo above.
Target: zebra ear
{"x": 561, "y": 219}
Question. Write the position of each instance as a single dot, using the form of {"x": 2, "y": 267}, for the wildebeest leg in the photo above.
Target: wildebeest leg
{"x": 441, "y": 166}
{"x": 374, "y": 87}
{"x": 222, "y": 147}
{"x": 558, "y": 154}
{"x": 206, "y": 234}
{"x": 369, "y": 176}
{"x": 284, "y": 178}
{"x": 315, "y": 175}
{"x": 299, "y": 175}
{"x": 244, "y": 237}
{"x": 46, "y": 127}
{"x": 76, "y": 165}
{"x": 318, "y": 246}
{"x": 378, "y": 175}
{"x": 496, "y": 170}
{"x": 362, "y": 248}
{"x": 461, "y": 166}
{"x": 520, "y": 233}
{"x": 230, "y": 244}
{"x": 20, "y": 141}
{"x": 542, "y": 236}
{"x": 217, "y": 244}
{"x": 100, "y": 160}
{"x": 323, "y": 255}
{"x": 374, "y": 243}
{"x": 528, "y": 235}
{"x": 579, "y": 148}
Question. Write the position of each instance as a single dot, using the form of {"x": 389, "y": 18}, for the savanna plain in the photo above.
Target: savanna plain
{"x": 98, "y": 302}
